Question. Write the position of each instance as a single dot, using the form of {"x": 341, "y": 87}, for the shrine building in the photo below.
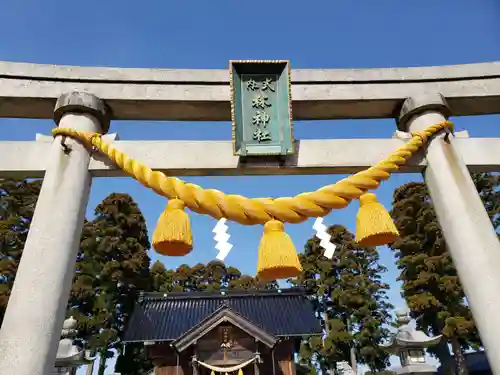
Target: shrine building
{"x": 224, "y": 332}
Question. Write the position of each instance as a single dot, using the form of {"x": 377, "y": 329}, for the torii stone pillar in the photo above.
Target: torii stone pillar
{"x": 469, "y": 234}
{"x": 32, "y": 324}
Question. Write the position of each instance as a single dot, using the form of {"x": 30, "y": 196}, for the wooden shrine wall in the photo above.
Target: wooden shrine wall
{"x": 209, "y": 350}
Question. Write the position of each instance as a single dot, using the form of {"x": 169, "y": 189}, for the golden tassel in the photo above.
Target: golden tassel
{"x": 277, "y": 256}
{"x": 374, "y": 225}
{"x": 212, "y": 373}
{"x": 172, "y": 235}
{"x": 240, "y": 372}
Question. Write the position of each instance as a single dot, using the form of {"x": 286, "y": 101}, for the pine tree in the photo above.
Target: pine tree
{"x": 487, "y": 185}
{"x": 159, "y": 277}
{"x": 112, "y": 267}
{"x": 132, "y": 359}
{"x": 247, "y": 282}
{"x": 350, "y": 300}
{"x": 210, "y": 277}
{"x": 17, "y": 205}
{"x": 216, "y": 276}
{"x": 430, "y": 282}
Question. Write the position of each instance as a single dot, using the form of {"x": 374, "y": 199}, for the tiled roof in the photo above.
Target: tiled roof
{"x": 159, "y": 317}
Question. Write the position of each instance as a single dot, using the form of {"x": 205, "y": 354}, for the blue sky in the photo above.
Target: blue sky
{"x": 203, "y": 34}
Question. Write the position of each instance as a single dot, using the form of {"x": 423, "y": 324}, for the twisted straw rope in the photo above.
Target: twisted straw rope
{"x": 250, "y": 211}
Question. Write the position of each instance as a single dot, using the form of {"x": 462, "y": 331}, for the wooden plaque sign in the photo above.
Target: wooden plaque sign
{"x": 261, "y": 111}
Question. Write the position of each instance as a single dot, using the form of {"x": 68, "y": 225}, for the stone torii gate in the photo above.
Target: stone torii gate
{"x": 88, "y": 98}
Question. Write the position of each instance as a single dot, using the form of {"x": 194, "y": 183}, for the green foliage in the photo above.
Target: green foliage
{"x": 200, "y": 277}
{"x": 112, "y": 267}
{"x": 159, "y": 277}
{"x": 210, "y": 277}
{"x": 300, "y": 369}
{"x": 246, "y": 282}
{"x": 430, "y": 282}
{"x": 386, "y": 372}
{"x": 487, "y": 185}
{"x": 17, "y": 205}
{"x": 350, "y": 300}
{"x": 132, "y": 360}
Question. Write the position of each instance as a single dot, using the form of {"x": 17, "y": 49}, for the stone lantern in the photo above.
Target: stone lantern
{"x": 409, "y": 344}
{"x": 70, "y": 356}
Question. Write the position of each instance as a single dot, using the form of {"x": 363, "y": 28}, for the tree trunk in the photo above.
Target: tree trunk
{"x": 443, "y": 353}
{"x": 327, "y": 332}
{"x": 354, "y": 364}
{"x": 333, "y": 369}
{"x": 352, "y": 350}
{"x": 460, "y": 364}
{"x": 102, "y": 362}
{"x": 90, "y": 368}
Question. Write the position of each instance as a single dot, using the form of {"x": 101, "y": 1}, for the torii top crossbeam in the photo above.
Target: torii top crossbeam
{"x": 31, "y": 90}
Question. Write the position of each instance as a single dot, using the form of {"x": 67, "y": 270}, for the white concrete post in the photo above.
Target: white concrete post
{"x": 32, "y": 324}
{"x": 469, "y": 234}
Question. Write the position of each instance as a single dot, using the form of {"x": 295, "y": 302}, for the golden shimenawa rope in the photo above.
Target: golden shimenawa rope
{"x": 250, "y": 211}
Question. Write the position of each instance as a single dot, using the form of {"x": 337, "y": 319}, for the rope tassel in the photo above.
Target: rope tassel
{"x": 172, "y": 235}
{"x": 374, "y": 225}
{"x": 277, "y": 256}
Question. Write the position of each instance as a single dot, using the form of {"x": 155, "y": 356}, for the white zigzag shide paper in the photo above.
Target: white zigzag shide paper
{"x": 322, "y": 234}
{"x": 221, "y": 237}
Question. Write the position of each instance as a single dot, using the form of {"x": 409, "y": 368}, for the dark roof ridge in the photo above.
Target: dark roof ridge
{"x": 216, "y": 318}
{"x": 223, "y": 294}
